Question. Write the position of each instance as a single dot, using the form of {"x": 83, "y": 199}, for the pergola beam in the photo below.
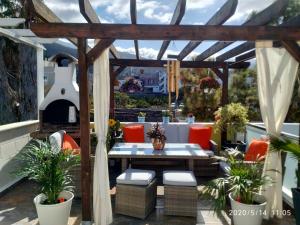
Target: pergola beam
{"x": 225, "y": 12}
{"x": 262, "y": 18}
{"x": 165, "y": 32}
{"x": 176, "y": 19}
{"x": 95, "y": 52}
{"x": 133, "y": 15}
{"x": 295, "y": 21}
{"x": 91, "y": 16}
{"x": 183, "y": 64}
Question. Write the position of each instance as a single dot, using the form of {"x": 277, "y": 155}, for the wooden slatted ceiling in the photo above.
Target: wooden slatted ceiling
{"x": 91, "y": 16}
{"x": 224, "y": 13}
{"x": 262, "y": 18}
{"x": 295, "y": 21}
{"x": 176, "y": 19}
{"x": 133, "y": 15}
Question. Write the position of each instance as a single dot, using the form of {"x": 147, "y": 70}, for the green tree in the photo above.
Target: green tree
{"x": 243, "y": 89}
{"x": 196, "y": 100}
{"x": 11, "y": 8}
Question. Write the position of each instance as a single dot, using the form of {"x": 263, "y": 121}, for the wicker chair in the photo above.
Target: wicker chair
{"x": 180, "y": 191}
{"x": 136, "y": 193}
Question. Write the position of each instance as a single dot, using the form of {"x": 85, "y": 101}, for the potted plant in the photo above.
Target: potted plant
{"x": 284, "y": 144}
{"x": 232, "y": 118}
{"x": 114, "y": 132}
{"x": 166, "y": 116}
{"x": 157, "y": 136}
{"x": 241, "y": 185}
{"x": 50, "y": 167}
{"x": 141, "y": 117}
{"x": 190, "y": 118}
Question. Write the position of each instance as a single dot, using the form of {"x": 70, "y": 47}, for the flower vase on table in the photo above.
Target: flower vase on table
{"x": 158, "y": 144}
{"x": 157, "y": 136}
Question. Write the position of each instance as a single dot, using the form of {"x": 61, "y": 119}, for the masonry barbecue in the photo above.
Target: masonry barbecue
{"x": 60, "y": 108}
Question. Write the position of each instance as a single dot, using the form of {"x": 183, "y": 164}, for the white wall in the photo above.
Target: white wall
{"x": 13, "y": 137}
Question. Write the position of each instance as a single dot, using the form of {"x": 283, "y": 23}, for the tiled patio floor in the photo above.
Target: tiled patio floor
{"x": 16, "y": 207}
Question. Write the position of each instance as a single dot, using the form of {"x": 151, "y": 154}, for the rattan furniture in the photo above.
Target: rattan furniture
{"x": 136, "y": 193}
{"x": 180, "y": 192}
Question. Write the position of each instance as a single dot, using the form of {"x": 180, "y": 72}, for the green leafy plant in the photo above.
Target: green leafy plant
{"x": 166, "y": 113}
{"x": 142, "y": 114}
{"x": 114, "y": 131}
{"x": 233, "y": 118}
{"x": 286, "y": 145}
{"x": 49, "y": 168}
{"x": 243, "y": 181}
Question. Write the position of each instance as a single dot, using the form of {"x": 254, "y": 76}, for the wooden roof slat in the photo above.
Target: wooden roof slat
{"x": 236, "y": 51}
{"x": 95, "y": 52}
{"x": 133, "y": 15}
{"x": 183, "y": 64}
{"x": 47, "y": 15}
{"x": 262, "y": 18}
{"x": 293, "y": 48}
{"x": 295, "y": 21}
{"x": 91, "y": 16}
{"x": 165, "y": 32}
{"x": 225, "y": 12}
{"x": 245, "y": 57}
{"x": 177, "y": 17}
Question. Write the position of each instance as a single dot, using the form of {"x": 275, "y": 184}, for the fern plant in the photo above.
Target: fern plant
{"x": 243, "y": 181}
{"x": 50, "y": 169}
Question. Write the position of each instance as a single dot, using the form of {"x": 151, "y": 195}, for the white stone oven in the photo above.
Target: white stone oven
{"x": 60, "y": 108}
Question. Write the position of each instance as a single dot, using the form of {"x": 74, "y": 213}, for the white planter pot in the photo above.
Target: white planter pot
{"x": 244, "y": 214}
{"x": 57, "y": 214}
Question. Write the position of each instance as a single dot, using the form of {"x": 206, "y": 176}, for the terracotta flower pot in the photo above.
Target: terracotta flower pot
{"x": 158, "y": 144}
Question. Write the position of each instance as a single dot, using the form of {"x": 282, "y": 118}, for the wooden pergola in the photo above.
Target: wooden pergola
{"x": 253, "y": 29}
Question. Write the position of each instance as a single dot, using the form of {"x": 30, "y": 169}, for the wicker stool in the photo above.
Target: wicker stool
{"x": 181, "y": 195}
{"x": 136, "y": 193}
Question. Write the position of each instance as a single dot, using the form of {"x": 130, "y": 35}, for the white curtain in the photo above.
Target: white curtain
{"x": 101, "y": 190}
{"x": 276, "y": 74}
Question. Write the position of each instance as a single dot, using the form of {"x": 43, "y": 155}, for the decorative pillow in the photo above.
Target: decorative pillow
{"x": 201, "y": 136}
{"x": 134, "y": 133}
{"x": 70, "y": 144}
{"x": 56, "y": 140}
{"x": 256, "y": 150}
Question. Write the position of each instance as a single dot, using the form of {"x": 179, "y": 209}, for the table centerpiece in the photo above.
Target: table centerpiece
{"x": 157, "y": 136}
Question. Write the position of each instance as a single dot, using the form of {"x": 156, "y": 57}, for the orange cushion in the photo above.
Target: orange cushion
{"x": 201, "y": 136}
{"x": 69, "y": 143}
{"x": 257, "y": 149}
{"x": 134, "y": 133}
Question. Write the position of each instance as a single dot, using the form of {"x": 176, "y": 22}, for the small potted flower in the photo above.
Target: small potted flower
{"x": 157, "y": 136}
{"x": 141, "y": 117}
{"x": 50, "y": 167}
{"x": 190, "y": 118}
{"x": 114, "y": 132}
{"x": 166, "y": 116}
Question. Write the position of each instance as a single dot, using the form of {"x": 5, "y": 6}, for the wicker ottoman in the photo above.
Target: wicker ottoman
{"x": 180, "y": 191}
{"x": 136, "y": 193}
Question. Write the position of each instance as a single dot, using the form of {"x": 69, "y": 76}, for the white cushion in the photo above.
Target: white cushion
{"x": 179, "y": 178}
{"x": 56, "y": 140}
{"x": 136, "y": 177}
{"x": 209, "y": 152}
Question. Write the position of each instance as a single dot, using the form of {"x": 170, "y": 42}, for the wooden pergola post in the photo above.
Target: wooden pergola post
{"x": 111, "y": 96}
{"x": 84, "y": 131}
{"x": 224, "y": 98}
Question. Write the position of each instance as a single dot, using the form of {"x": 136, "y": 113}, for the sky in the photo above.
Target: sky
{"x": 157, "y": 12}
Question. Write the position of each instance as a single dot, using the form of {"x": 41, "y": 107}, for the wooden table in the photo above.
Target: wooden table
{"x": 126, "y": 151}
